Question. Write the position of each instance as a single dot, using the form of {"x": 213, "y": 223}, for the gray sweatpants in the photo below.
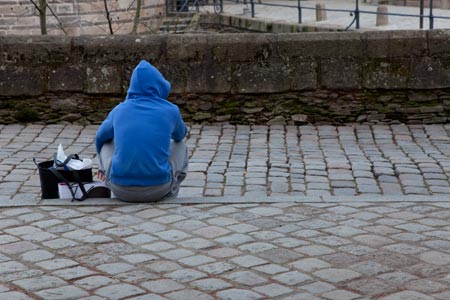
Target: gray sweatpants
{"x": 178, "y": 161}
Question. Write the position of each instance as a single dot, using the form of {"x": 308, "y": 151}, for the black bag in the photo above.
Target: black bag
{"x": 50, "y": 176}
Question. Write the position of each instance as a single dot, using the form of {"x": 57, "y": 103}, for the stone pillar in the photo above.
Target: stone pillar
{"x": 382, "y": 19}
{"x": 321, "y": 13}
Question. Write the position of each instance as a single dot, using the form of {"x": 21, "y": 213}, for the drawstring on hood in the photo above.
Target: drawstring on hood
{"x": 147, "y": 81}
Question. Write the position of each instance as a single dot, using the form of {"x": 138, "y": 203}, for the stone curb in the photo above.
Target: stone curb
{"x": 235, "y": 200}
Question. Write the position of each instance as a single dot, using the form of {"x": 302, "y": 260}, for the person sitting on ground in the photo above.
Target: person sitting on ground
{"x": 142, "y": 153}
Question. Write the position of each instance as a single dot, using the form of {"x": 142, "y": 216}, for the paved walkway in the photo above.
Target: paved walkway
{"x": 289, "y": 251}
{"x": 337, "y": 18}
{"x": 313, "y": 212}
{"x": 262, "y": 161}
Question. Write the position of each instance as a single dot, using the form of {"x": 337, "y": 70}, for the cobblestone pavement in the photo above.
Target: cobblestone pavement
{"x": 282, "y": 220}
{"x": 261, "y": 161}
{"x": 288, "y": 251}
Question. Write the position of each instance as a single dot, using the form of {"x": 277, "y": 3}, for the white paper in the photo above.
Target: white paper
{"x": 73, "y": 164}
{"x": 64, "y": 192}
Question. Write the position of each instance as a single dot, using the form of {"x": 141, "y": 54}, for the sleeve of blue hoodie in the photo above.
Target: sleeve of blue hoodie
{"x": 180, "y": 130}
{"x": 105, "y": 132}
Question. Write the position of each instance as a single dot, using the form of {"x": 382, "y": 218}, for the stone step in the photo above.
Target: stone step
{"x": 416, "y": 3}
{"x": 179, "y": 24}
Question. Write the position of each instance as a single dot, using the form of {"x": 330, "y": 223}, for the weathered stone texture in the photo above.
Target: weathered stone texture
{"x": 18, "y": 81}
{"x": 66, "y": 79}
{"x": 241, "y": 78}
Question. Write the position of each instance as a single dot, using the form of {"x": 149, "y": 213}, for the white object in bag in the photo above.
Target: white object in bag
{"x": 64, "y": 191}
{"x": 74, "y": 164}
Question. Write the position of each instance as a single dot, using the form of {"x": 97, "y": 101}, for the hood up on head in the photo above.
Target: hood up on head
{"x": 147, "y": 81}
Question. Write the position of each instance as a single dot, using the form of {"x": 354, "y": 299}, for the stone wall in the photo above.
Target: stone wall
{"x": 399, "y": 76}
{"x": 79, "y": 17}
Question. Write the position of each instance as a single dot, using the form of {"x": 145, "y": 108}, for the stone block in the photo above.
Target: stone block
{"x": 241, "y": 47}
{"x": 260, "y": 26}
{"x": 206, "y": 20}
{"x": 103, "y": 80}
{"x": 203, "y": 77}
{"x": 35, "y": 50}
{"x": 119, "y": 291}
{"x": 398, "y": 43}
{"x": 340, "y": 74}
{"x": 429, "y": 73}
{"x": 254, "y": 78}
{"x": 7, "y": 21}
{"x": 438, "y": 42}
{"x": 242, "y": 22}
{"x": 15, "y": 8}
{"x": 278, "y": 27}
{"x": 64, "y": 8}
{"x": 66, "y": 79}
{"x": 386, "y": 74}
{"x": 119, "y": 49}
{"x": 241, "y": 294}
{"x": 248, "y": 24}
{"x": 304, "y": 75}
{"x": 21, "y": 81}
{"x": 187, "y": 47}
{"x": 224, "y": 19}
{"x": 55, "y": 294}
{"x": 320, "y": 45}
{"x": 407, "y": 294}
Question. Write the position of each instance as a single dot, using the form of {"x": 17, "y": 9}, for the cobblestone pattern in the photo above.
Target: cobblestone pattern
{"x": 230, "y": 160}
{"x": 283, "y": 251}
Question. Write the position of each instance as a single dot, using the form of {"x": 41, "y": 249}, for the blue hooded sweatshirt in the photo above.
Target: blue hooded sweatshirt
{"x": 142, "y": 127}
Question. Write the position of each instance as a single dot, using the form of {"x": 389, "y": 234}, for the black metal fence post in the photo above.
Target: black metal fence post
{"x": 421, "y": 14}
{"x": 431, "y": 15}
{"x": 252, "y": 4}
{"x": 357, "y": 14}
{"x": 299, "y": 7}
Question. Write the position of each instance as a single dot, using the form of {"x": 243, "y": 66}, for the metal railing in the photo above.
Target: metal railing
{"x": 183, "y": 6}
{"x": 355, "y": 13}
{"x": 180, "y": 7}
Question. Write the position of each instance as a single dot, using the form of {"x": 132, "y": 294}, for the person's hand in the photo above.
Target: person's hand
{"x": 101, "y": 176}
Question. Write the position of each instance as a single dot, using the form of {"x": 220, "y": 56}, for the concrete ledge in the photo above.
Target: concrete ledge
{"x": 236, "y": 200}
{"x": 386, "y": 198}
{"x": 199, "y": 63}
{"x": 264, "y": 24}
